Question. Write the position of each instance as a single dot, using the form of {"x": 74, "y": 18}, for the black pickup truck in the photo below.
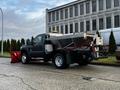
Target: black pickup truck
{"x": 61, "y": 50}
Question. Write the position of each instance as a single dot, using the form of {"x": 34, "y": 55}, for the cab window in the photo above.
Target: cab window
{"x": 38, "y": 39}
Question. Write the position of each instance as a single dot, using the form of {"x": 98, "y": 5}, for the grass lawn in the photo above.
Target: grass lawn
{"x": 109, "y": 60}
{"x": 5, "y": 54}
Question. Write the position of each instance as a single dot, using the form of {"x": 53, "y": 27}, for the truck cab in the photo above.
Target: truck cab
{"x": 35, "y": 49}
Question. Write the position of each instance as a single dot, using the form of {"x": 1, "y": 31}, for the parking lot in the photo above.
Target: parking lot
{"x": 43, "y": 76}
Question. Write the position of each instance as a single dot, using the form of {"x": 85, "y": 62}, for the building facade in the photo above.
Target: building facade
{"x": 84, "y": 16}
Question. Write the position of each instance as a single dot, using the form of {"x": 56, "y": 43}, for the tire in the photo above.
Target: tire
{"x": 25, "y": 59}
{"x": 60, "y": 62}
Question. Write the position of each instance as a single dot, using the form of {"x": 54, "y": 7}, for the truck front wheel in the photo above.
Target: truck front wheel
{"x": 24, "y": 58}
{"x": 60, "y": 61}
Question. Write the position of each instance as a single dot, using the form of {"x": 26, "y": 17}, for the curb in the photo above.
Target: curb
{"x": 4, "y": 56}
{"x": 105, "y": 64}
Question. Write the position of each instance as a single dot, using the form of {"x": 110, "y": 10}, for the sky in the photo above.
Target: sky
{"x": 25, "y": 18}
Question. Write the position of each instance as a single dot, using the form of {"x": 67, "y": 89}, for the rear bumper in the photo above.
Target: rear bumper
{"x": 80, "y": 56}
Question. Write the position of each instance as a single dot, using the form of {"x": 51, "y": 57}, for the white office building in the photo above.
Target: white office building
{"x": 86, "y": 16}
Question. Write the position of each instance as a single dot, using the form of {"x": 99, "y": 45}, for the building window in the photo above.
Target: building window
{"x": 94, "y": 24}
{"x": 81, "y": 8}
{"x": 53, "y": 29}
{"x": 53, "y": 16}
{"x": 117, "y": 21}
{"x": 108, "y": 22}
{"x": 101, "y": 23}
{"x": 87, "y": 25}
{"x": 49, "y": 29}
{"x": 66, "y": 29}
{"x": 116, "y": 3}
{"x": 76, "y": 10}
{"x": 101, "y": 4}
{"x": 61, "y": 14}
{"x": 76, "y": 27}
{"x": 87, "y": 7}
{"x": 108, "y": 4}
{"x": 62, "y": 29}
{"x": 57, "y": 15}
{"x": 66, "y": 13}
{"x": 49, "y": 17}
{"x": 57, "y": 29}
{"x": 71, "y": 28}
{"x": 94, "y": 5}
{"x": 71, "y": 11}
{"x": 82, "y": 26}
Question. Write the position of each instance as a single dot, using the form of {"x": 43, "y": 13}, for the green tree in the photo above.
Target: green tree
{"x": 0, "y": 44}
{"x": 112, "y": 43}
{"x": 32, "y": 38}
{"x": 4, "y": 46}
{"x": 22, "y": 41}
{"x": 8, "y": 45}
{"x": 18, "y": 45}
{"x": 13, "y": 45}
{"x": 28, "y": 41}
{"x": 98, "y": 33}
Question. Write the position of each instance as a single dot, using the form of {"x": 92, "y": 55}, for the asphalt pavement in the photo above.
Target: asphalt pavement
{"x": 43, "y": 76}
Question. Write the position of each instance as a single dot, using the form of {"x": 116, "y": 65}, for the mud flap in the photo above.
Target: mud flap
{"x": 68, "y": 58}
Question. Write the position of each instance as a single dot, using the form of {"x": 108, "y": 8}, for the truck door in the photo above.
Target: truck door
{"x": 38, "y": 47}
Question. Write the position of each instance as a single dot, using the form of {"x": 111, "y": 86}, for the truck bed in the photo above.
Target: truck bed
{"x": 74, "y": 41}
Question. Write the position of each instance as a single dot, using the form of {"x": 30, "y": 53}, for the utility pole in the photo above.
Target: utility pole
{"x": 2, "y": 32}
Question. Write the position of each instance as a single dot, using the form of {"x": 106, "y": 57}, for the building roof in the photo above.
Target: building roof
{"x": 65, "y": 5}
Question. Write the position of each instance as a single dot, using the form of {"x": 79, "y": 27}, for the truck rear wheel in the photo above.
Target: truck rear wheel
{"x": 60, "y": 61}
{"x": 25, "y": 59}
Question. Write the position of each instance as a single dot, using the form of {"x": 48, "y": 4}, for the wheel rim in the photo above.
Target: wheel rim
{"x": 58, "y": 61}
{"x": 24, "y": 58}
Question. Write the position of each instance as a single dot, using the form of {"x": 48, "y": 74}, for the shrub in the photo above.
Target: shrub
{"x": 112, "y": 43}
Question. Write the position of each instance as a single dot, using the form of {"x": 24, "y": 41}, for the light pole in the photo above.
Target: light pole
{"x": 2, "y": 32}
